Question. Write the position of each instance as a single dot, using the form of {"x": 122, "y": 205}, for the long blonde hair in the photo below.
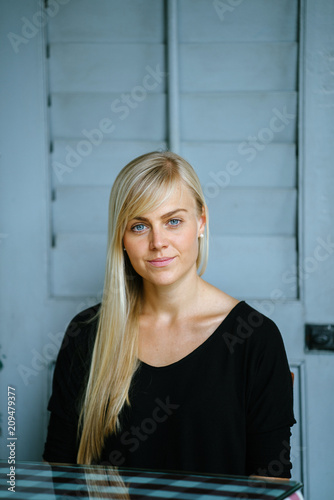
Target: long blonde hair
{"x": 141, "y": 186}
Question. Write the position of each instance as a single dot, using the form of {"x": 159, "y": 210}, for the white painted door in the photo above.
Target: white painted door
{"x": 90, "y": 85}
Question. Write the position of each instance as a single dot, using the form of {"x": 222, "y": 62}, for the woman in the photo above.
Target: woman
{"x": 169, "y": 372}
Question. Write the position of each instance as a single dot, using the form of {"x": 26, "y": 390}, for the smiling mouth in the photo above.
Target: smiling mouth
{"x": 161, "y": 262}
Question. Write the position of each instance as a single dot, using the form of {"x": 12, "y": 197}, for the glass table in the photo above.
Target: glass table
{"x": 43, "y": 481}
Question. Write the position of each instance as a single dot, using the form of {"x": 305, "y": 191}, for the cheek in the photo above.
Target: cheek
{"x": 133, "y": 258}
{"x": 129, "y": 242}
{"x": 134, "y": 249}
{"x": 189, "y": 240}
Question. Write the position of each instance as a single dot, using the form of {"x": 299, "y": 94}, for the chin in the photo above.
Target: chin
{"x": 162, "y": 280}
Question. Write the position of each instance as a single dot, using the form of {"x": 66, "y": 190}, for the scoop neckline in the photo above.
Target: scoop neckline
{"x": 197, "y": 349}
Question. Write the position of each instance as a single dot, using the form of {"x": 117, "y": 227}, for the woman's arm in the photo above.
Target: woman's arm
{"x": 270, "y": 405}
{"x": 61, "y": 442}
{"x": 70, "y": 375}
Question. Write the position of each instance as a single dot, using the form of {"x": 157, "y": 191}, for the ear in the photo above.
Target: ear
{"x": 202, "y": 220}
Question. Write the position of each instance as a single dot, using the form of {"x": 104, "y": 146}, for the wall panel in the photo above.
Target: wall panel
{"x": 236, "y": 107}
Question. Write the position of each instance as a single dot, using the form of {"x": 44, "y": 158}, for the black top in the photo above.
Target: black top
{"x": 224, "y": 408}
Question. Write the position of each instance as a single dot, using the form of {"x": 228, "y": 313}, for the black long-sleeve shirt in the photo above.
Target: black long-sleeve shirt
{"x": 224, "y": 408}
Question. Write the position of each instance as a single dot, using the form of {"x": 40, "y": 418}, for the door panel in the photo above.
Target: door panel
{"x": 240, "y": 115}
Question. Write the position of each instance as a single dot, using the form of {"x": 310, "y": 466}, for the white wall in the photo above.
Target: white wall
{"x": 318, "y": 213}
{"x": 24, "y": 222}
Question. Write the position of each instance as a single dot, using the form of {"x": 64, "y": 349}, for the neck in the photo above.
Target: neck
{"x": 172, "y": 302}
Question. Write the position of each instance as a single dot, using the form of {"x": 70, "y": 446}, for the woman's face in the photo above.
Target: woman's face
{"x": 162, "y": 245}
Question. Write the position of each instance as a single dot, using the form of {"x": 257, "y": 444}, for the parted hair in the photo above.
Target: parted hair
{"x": 141, "y": 186}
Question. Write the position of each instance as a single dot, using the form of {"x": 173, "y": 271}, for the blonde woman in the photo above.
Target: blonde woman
{"x": 169, "y": 372}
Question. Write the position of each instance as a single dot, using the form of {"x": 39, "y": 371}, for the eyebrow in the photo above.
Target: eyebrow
{"x": 168, "y": 214}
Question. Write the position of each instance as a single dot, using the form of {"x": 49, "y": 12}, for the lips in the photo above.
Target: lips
{"x": 164, "y": 261}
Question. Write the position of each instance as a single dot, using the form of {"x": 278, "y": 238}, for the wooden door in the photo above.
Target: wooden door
{"x": 231, "y": 85}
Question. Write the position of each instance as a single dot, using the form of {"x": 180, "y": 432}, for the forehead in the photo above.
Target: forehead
{"x": 180, "y": 194}
{"x": 180, "y": 197}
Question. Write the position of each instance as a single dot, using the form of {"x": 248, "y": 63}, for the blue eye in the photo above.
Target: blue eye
{"x": 140, "y": 226}
{"x": 178, "y": 222}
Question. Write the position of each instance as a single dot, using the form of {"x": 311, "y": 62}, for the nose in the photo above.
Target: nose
{"x": 158, "y": 239}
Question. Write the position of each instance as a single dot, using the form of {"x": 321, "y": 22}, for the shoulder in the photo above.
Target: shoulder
{"x": 80, "y": 334}
{"x": 85, "y": 317}
{"x": 250, "y": 330}
{"x": 214, "y": 301}
{"x": 246, "y": 314}
{"x": 243, "y": 322}
{"x": 257, "y": 323}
